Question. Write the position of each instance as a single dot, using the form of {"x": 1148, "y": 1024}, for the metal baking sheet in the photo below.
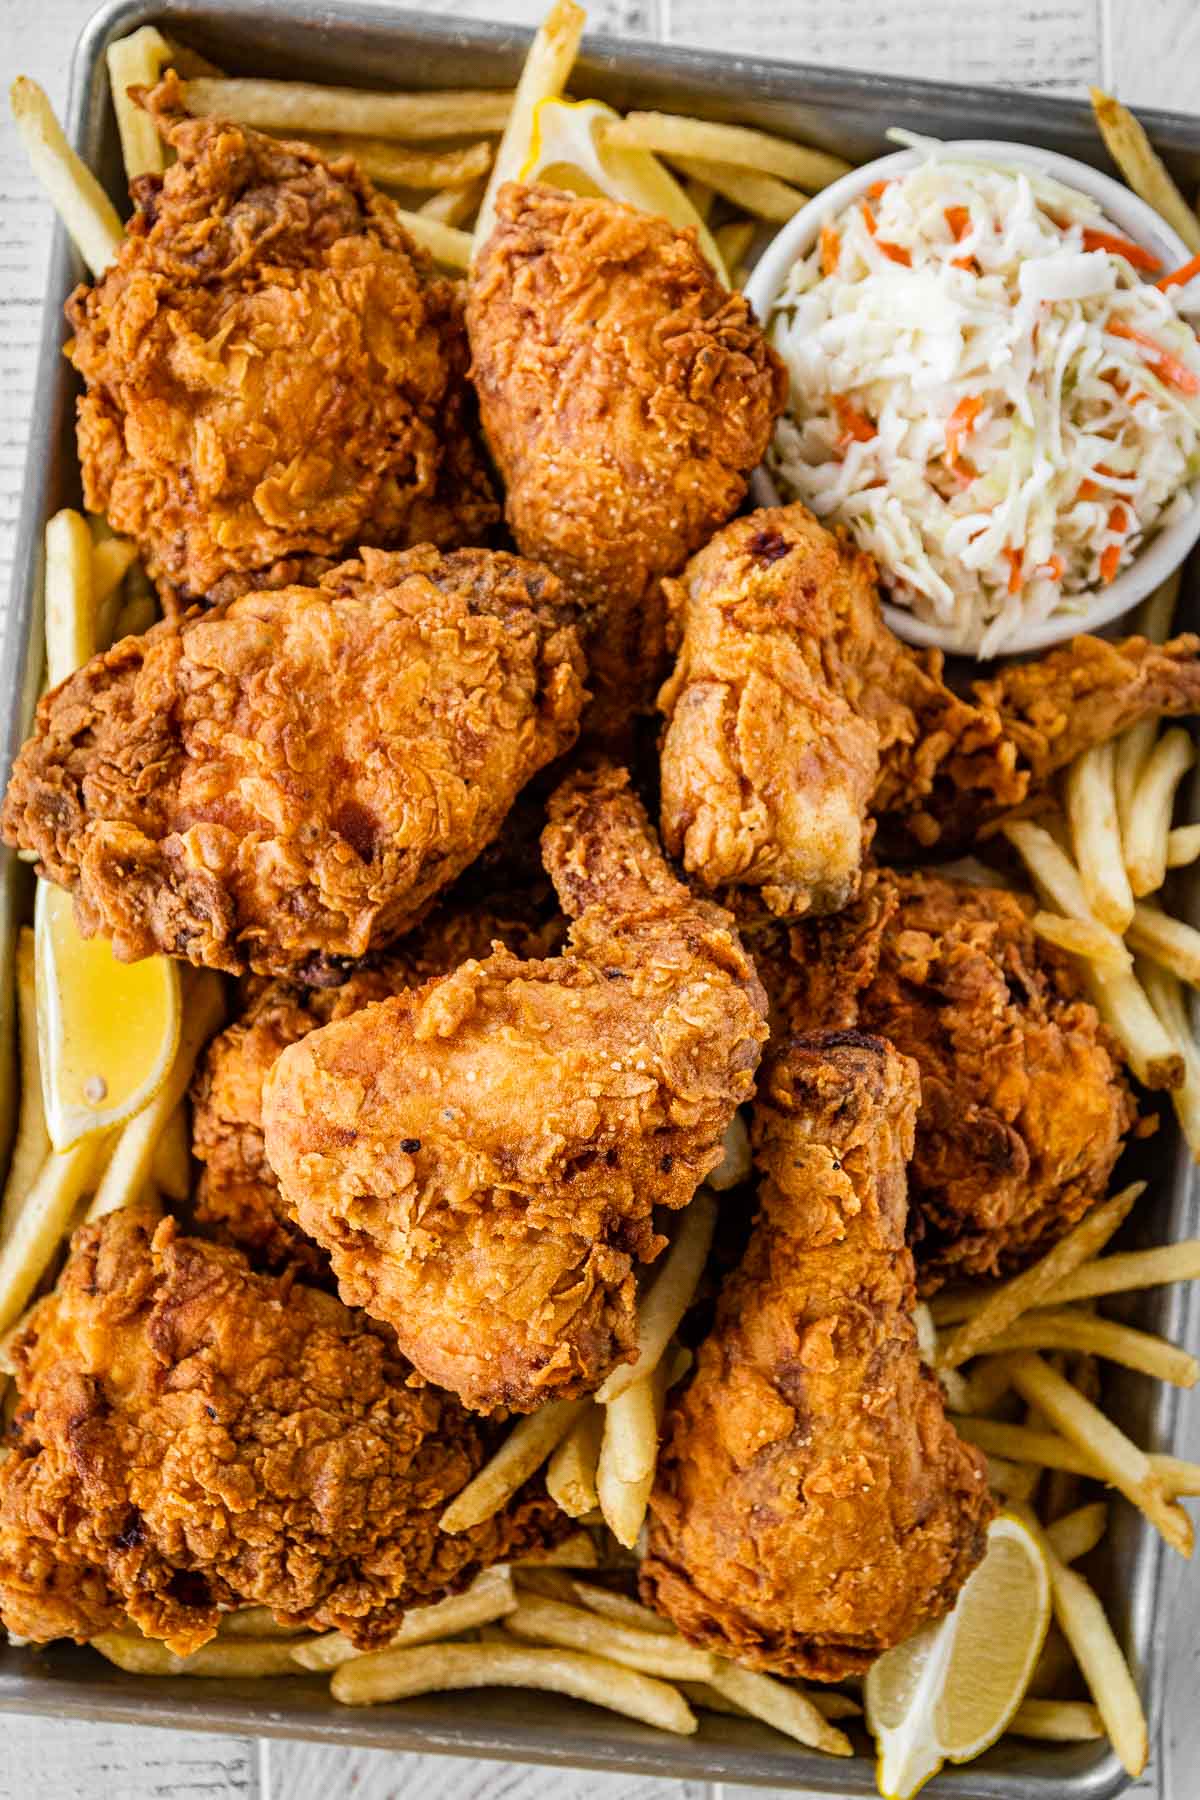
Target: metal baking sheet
{"x": 841, "y": 111}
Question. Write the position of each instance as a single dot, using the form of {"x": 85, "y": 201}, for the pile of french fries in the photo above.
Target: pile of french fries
{"x": 1019, "y": 1362}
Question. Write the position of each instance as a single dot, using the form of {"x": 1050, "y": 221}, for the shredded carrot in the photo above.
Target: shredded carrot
{"x": 855, "y": 425}
{"x": 868, "y": 216}
{"x": 960, "y": 423}
{"x": 1088, "y": 491}
{"x": 958, "y": 218}
{"x": 877, "y": 188}
{"x": 1110, "y": 562}
{"x": 1052, "y": 570}
{"x": 1133, "y": 253}
{"x": 831, "y": 249}
{"x": 964, "y": 262}
{"x": 1118, "y": 518}
{"x": 897, "y": 252}
{"x": 1167, "y": 366}
{"x": 1178, "y": 276}
{"x": 1014, "y": 559}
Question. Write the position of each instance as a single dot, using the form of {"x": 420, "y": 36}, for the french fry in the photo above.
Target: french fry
{"x": 1167, "y": 941}
{"x": 1149, "y": 1048}
{"x": 1057, "y": 1721}
{"x": 1119, "y": 1274}
{"x": 111, "y": 559}
{"x": 132, "y": 1160}
{"x": 489, "y": 1597}
{"x": 701, "y": 197}
{"x": 546, "y": 1621}
{"x": 628, "y": 1453}
{"x": 255, "y": 1622}
{"x": 1130, "y": 754}
{"x": 1081, "y": 1620}
{"x": 453, "y": 206}
{"x": 735, "y": 1164}
{"x": 31, "y": 1145}
{"x": 669, "y": 1295}
{"x": 298, "y": 108}
{"x": 1178, "y": 1475}
{"x": 137, "y": 61}
{"x": 523, "y": 1451}
{"x": 762, "y": 195}
{"x": 551, "y": 1584}
{"x": 780, "y": 1705}
{"x": 1092, "y": 813}
{"x": 1154, "y": 617}
{"x": 571, "y": 1471}
{"x": 447, "y": 246}
{"x": 733, "y": 241}
{"x": 1004, "y": 1305}
{"x": 77, "y": 197}
{"x": 544, "y": 77}
{"x": 40, "y": 1225}
{"x": 70, "y": 608}
{"x": 620, "y": 1608}
{"x": 1166, "y": 997}
{"x": 1142, "y": 167}
{"x": 136, "y": 616}
{"x": 830, "y": 1706}
{"x": 231, "y": 1659}
{"x": 171, "y": 1163}
{"x": 1015, "y": 1481}
{"x": 1065, "y": 1329}
{"x": 1058, "y": 881}
{"x": 1151, "y": 808}
{"x": 1183, "y": 846}
{"x": 437, "y": 1668}
{"x": 1083, "y": 937}
{"x": 1084, "y": 1425}
{"x": 988, "y": 1382}
{"x": 1051, "y": 1451}
{"x": 392, "y": 165}
{"x": 1077, "y": 1533}
{"x": 669, "y": 134}
{"x": 575, "y": 1551}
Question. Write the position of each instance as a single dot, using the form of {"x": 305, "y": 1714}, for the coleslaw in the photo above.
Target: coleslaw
{"x": 989, "y": 389}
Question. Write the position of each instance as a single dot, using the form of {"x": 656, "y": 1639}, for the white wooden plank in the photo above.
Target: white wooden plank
{"x": 295, "y": 1771}
{"x": 65, "y": 1759}
{"x": 1153, "y": 52}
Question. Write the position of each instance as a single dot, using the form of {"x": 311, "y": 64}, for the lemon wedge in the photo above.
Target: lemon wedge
{"x": 107, "y": 1031}
{"x": 951, "y": 1689}
{"x": 568, "y": 151}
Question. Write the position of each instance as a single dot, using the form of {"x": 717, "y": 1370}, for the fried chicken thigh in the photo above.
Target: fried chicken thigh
{"x": 288, "y": 780}
{"x": 238, "y": 1199}
{"x": 190, "y": 1436}
{"x": 1024, "y": 1106}
{"x": 482, "y": 1157}
{"x": 626, "y": 396}
{"x": 274, "y": 374}
{"x": 813, "y": 1505}
{"x": 795, "y": 718}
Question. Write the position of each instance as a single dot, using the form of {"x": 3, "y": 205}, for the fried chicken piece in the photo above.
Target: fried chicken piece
{"x": 288, "y": 780}
{"x": 191, "y": 1436}
{"x": 626, "y": 395}
{"x": 794, "y": 715}
{"x": 1024, "y": 1106}
{"x": 274, "y": 374}
{"x": 482, "y": 1158}
{"x": 238, "y": 1200}
{"x": 813, "y": 1505}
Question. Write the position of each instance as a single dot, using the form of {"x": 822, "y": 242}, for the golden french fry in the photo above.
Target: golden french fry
{"x": 1151, "y": 807}
{"x": 777, "y": 1703}
{"x": 575, "y": 1551}
{"x": 1130, "y": 753}
{"x": 224, "y": 1658}
{"x": 669, "y": 1296}
{"x": 77, "y": 197}
{"x": 1124, "y": 1464}
{"x": 987, "y": 1384}
{"x": 762, "y": 195}
{"x": 1156, "y": 614}
{"x": 171, "y": 1163}
{"x": 701, "y": 197}
{"x": 1178, "y": 1475}
{"x": 571, "y": 1471}
{"x": 544, "y": 76}
{"x": 70, "y": 609}
{"x": 489, "y": 1597}
{"x": 1057, "y": 1721}
{"x": 31, "y": 1145}
{"x": 392, "y": 165}
{"x": 255, "y": 1622}
{"x": 1004, "y": 1305}
{"x": 1119, "y": 1274}
{"x": 551, "y": 1622}
{"x": 446, "y": 245}
{"x": 523, "y": 1451}
{"x": 398, "y": 1674}
{"x": 299, "y": 108}
{"x": 1092, "y": 813}
{"x": 734, "y": 241}
{"x": 1142, "y": 167}
{"x": 1077, "y": 1533}
{"x": 1015, "y": 1481}
{"x": 620, "y": 1608}
{"x": 1050, "y": 1451}
{"x": 673, "y": 136}
{"x": 42, "y": 1222}
{"x": 1149, "y": 1048}
{"x": 1183, "y": 846}
{"x": 1065, "y": 1329}
{"x": 1058, "y": 881}
{"x": 132, "y": 1160}
{"x": 136, "y": 616}
{"x": 137, "y": 61}
{"x": 829, "y": 1705}
{"x": 111, "y": 559}
{"x": 1167, "y": 941}
{"x": 735, "y": 1164}
{"x": 628, "y": 1453}
{"x": 1086, "y": 938}
{"x": 1166, "y": 997}
{"x": 453, "y": 206}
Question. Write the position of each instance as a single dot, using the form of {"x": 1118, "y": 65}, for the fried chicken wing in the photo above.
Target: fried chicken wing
{"x": 191, "y": 1436}
{"x": 626, "y": 396}
{"x": 288, "y": 780}
{"x": 238, "y": 1199}
{"x": 274, "y": 375}
{"x": 813, "y": 1505}
{"x": 1024, "y": 1106}
{"x": 482, "y": 1157}
{"x": 795, "y": 718}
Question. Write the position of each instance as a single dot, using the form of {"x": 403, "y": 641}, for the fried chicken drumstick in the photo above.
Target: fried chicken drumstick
{"x": 191, "y": 1436}
{"x": 274, "y": 375}
{"x": 796, "y": 718}
{"x": 626, "y": 396}
{"x": 288, "y": 780}
{"x": 482, "y": 1158}
{"x": 813, "y": 1505}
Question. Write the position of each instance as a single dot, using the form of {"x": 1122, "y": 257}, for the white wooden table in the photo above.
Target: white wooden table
{"x": 1148, "y": 51}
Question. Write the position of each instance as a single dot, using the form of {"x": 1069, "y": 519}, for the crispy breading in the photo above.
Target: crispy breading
{"x": 274, "y": 374}
{"x": 813, "y": 1505}
{"x": 191, "y": 1436}
{"x": 288, "y": 780}
{"x": 482, "y": 1157}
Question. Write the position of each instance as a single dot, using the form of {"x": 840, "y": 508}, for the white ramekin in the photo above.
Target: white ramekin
{"x": 1165, "y": 549}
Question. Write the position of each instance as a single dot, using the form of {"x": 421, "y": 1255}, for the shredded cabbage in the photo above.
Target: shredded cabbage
{"x": 987, "y": 393}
